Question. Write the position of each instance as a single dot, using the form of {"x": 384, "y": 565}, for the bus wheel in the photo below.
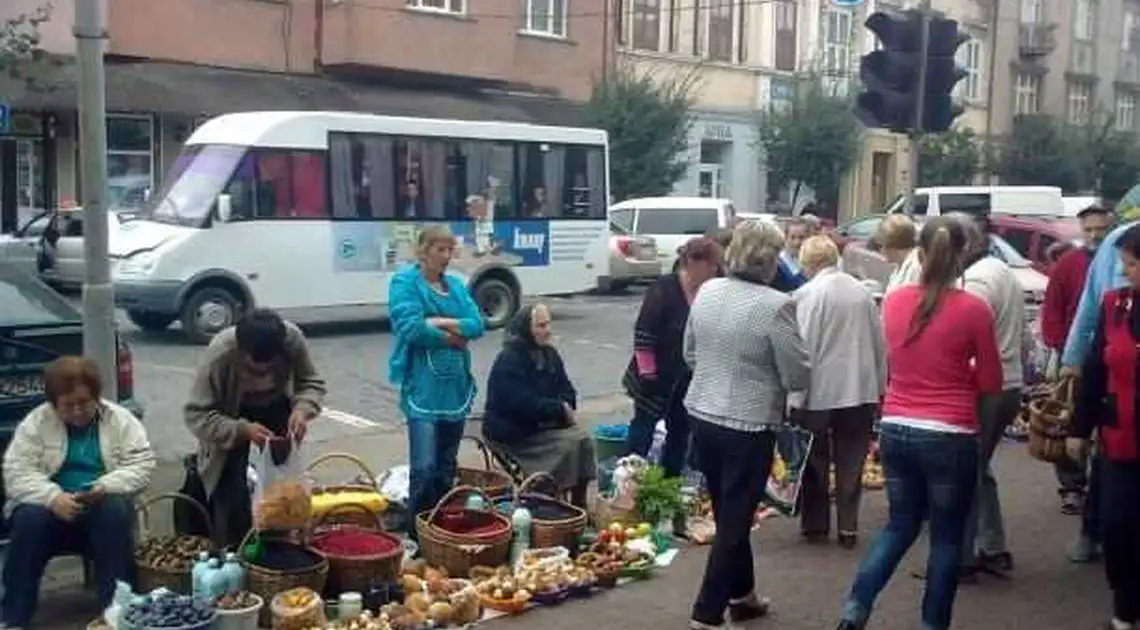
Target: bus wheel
{"x": 497, "y": 300}
{"x": 207, "y": 312}
{"x": 150, "y": 321}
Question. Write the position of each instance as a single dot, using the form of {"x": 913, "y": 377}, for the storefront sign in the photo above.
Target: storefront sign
{"x": 718, "y": 132}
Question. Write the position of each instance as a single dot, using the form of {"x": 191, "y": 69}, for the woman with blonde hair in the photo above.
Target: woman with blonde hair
{"x": 839, "y": 322}
{"x": 897, "y": 240}
{"x": 433, "y": 317}
{"x": 744, "y": 348}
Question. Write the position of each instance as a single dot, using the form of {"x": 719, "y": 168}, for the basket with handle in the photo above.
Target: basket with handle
{"x": 357, "y": 573}
{"x": 546, "y": 532}
{"x": 459, "y": 552}
{"x": 365, "y": 518}
{"x": 491, "y": 481}
{"x": 1050, "y": 420}
{"x": 168, "y": 572}
{"x": 266, "y": 582}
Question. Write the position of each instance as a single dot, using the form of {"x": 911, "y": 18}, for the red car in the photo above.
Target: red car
{"x": 1033, "y": 237}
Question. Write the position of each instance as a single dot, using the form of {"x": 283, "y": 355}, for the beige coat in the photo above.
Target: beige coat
{"x": 39, "y": 446}
{"x": 216, "y": 396}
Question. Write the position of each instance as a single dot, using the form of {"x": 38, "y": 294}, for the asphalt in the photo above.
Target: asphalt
{"x": 807, "y": 583}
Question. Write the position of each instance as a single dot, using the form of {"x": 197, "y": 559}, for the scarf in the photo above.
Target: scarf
{"x": 545, "y": 358}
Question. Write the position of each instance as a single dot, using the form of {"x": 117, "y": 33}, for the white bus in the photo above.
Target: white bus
{"x": 313, "y": 210}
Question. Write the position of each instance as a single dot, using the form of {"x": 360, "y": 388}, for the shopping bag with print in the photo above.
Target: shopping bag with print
{"x": 782, "y": 489}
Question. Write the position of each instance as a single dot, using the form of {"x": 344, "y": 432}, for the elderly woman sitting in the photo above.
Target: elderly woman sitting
{"x": 531, "y": 404}
{"x": 70, "y": 471}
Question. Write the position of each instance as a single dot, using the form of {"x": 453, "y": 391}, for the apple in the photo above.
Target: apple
{"x": 631, "y": 533}
{"x": 644, "y": 530}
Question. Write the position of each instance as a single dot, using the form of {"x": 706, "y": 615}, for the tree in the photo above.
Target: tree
{"x": 22, "y": 60}
{"x": 1117, "y": 164}
{"x": 1041, "y": 151}
{"x": 648, "y": 119}
{"x": 951, "y": 158}
{"x": 811, "y": 141}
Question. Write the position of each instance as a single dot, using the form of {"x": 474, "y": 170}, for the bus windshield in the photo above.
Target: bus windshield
{"x": 190, "y": 190}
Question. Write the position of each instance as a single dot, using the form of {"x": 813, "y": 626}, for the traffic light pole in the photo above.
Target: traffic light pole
{"x": 915, "y": 135}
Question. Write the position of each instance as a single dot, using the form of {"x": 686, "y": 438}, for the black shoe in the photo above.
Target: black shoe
{"x": 848, "y": 625}
{"x": 814, "y": 538}
{"x": 848, "y": 540}
{"x": 749, "y": 608}
{"x": 998, "y": 564}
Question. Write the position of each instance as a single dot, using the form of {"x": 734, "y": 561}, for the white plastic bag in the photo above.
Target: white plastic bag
{"x": 268, "y": 472}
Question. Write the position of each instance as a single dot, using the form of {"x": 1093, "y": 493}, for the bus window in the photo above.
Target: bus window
{"x": 290, "y": 184}
{"x": 562, "y": 181}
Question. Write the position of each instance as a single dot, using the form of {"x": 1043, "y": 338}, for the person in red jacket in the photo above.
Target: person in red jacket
{"x": 1066, "y": 282}
{"x": 1107, "y": 403}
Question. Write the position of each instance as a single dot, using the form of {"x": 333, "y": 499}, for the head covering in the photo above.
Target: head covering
{"x": 520, "y": 337}
{"x": 1128, "y": 209}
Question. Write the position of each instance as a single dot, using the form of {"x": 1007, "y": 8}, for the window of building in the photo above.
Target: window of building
{"x": 1027, "y": 94}
{"x": 1084, "y": 20}
{"x": 970, "y": 60}
{"x": 785, "y": 23}
{"x": 29, "y": 174}
{"x": 1032, "y": 11}
{"x": 130, "y": 151}
{"x": 700, "y": 25}
{"x": 547, "y": 17}
{"x": 720, "y": 35}
{"x": 1130, "y": 41}
{"x": 447, "y": 6}
{"x": 742, "y": 31}
{"x": 782, "y": 94}
{"x": 837, "y": 62}
{"x": 675, "y": 14}
{"x": 647, "y": 25}
{"x": 1125, "y": 111}
{"x": 1079, "y": 98}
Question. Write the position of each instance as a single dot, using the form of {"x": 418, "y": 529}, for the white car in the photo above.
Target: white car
{"x": 61, "y": 263}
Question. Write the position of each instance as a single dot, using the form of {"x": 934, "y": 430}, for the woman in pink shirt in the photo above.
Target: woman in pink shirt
{"x": 941, "y": 355}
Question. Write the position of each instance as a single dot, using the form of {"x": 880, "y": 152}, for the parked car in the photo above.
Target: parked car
{"x": 1033, "y": 236}
{"x": 54, "y": 237}
{"x": 632, "y": 259}
{"x": 671, "y": 221}
{"x": 37, "y": 326}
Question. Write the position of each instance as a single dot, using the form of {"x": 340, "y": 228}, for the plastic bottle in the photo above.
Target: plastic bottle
{"x": 200, "y": 567}
{"x": 349, "y": 606}
{"x": 214, "y": 580}
{"x": 235, "y": 574}
{"x": 476, "y": 502}
{"x": 520, "y": 525}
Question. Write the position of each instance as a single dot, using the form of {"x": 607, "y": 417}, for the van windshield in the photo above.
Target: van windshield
{"x": 199, "y": 175}
{"x": 694, "y": 221}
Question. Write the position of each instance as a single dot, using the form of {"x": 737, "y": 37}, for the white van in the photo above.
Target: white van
{"x": 672, "y": 221}
{"x": 1042, "y": 201}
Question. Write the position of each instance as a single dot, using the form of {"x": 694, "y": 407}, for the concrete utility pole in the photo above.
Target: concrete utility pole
{"x": 99, "y": 342}
{"x": 919, "y": 111}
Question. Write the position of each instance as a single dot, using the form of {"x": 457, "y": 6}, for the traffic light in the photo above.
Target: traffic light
{"x": 891, "y": 75}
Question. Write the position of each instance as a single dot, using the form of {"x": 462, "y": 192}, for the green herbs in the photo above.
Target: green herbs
{"x": 658, "y": 497}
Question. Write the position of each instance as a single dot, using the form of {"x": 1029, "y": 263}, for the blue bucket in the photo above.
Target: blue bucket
{"x": 610, "y": 440}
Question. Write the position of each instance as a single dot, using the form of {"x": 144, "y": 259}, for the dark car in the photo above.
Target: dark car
{"x": 37, "y": 325}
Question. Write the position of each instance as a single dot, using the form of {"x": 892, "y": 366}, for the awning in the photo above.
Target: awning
{"x": 192, "y": 90}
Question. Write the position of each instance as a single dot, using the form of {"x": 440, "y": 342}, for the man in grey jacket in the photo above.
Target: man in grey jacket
{"x": 256, "y": 385}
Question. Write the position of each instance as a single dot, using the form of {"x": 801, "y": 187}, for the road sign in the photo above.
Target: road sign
{"x": 5, "y": 118}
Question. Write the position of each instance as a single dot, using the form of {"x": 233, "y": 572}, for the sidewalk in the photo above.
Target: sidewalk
{"x": 806, "y": 583}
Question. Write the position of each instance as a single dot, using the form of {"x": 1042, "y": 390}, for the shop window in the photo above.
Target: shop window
{"x": 130, "y": 159}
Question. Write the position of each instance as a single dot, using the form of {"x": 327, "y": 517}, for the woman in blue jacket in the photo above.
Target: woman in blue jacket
{"x": 433, "y": 317}
{"x": 531, "y": 404}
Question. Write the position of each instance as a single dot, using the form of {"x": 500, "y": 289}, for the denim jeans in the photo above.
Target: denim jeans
{"x": 985, "y": 528}
{"x": 1120, "y": 509}
{"x": 930, "y": 475}
{"x": 675, "y": 452}
{"x": 433, "y": 448}
{"x": 1091, "y": 524}
{"x": 102, "y": 533}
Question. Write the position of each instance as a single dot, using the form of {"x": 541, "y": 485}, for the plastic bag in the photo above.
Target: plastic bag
{"x": 281, "y": 497}
{"x": 782, "y": 489}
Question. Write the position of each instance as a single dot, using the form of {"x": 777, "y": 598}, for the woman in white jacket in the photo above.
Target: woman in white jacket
{"x": 70, "y": 473}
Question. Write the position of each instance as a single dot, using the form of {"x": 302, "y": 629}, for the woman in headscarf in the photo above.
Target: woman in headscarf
{"x": 531, "y": 410}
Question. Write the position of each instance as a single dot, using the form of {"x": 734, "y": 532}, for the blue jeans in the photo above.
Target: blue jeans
{"x": 433, "y": 448}
{"x": 102, "y": 533}
{"x": 930, "y": 475}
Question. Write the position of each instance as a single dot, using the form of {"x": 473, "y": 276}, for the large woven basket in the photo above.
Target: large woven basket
{"x": 357, "y": 573}
{"x": 545, "y": 533}
{"x": 366, "y": 518}
{"x": 1050, "y": 420}
{"x": 459, "y": 552}
{"x": 490, "y": 481}
{"x": 265, "y": 582}
{"x": 148, "y": 577}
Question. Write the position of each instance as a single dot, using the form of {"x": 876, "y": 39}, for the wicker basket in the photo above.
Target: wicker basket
{"x": 459, "y": 552}
{"x": 490, "y": 481}
{"x": 357, "y": 573}
{"x": 1050, "y": 418}
{"x": 365, "y": 518}
{"x": 551, "y": 532}
{"x": 266, "y": 583}
{"x": 149, "y": 577}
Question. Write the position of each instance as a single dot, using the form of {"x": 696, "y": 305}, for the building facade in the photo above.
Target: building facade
{"x": 527, "y": 61}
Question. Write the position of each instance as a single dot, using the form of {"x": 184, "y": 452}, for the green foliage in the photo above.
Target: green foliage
{"x": 812, "y": 141}
{"x": 951, "y": 158}
{"x": 657, "y": 496}
{"x": 21, "y": 58}
{"x": 648, "y": 120}
{"x": 1118, "y": 165}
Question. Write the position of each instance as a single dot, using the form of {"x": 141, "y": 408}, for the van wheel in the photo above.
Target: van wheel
{"x": 497, "y": 301}
{"x": 150, "y": 321}
{"x": 207, "y": 312}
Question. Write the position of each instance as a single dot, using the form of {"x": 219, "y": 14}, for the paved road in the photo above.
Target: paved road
{"x": 594, "y": 334}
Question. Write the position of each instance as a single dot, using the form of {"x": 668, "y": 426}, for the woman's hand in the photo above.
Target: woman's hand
{"x": 66, "y": 507}
{"x": 456, "y": 341}
{"x": 448, "y": 324}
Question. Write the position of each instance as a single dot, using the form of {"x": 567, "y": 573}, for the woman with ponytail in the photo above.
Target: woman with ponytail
{"x": 941, "y": 356}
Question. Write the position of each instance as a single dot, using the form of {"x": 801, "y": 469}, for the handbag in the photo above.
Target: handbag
{"x": 188, "y": 519}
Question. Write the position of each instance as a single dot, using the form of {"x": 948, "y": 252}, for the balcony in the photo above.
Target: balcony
{"x": 1037, "y": 39}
